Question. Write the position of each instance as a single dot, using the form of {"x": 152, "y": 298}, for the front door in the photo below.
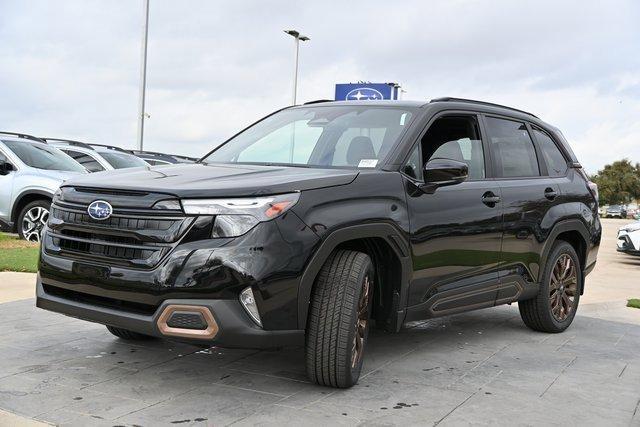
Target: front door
{"x": 6, "y": 190}
{"x": 455, "y": 232}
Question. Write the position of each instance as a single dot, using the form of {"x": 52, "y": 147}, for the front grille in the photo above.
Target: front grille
{"x": 137, "y": 240}
{"x": 124, "y": 223}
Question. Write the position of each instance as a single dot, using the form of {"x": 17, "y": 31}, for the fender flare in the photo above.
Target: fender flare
{"x": 392, "y": 235}
{"x": 29, "y": 192}
{"x": 561, "y": 227}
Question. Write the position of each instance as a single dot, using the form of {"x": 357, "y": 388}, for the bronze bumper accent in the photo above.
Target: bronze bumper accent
{"x": 209, "y": 333}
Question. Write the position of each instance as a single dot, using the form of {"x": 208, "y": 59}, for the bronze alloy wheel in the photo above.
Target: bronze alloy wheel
{"x": 361, "y": 324}
{"x": 563, "y": 287}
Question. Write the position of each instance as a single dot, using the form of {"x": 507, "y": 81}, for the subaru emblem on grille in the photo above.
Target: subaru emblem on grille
{"x": 100, "y": 210}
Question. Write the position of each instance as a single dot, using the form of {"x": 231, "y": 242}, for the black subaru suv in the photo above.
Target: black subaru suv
{"x": 321, "y": 219}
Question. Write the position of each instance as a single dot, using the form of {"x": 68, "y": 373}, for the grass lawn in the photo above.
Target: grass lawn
{"x": 18, "y": 255}
{"x": 635, "y": 303}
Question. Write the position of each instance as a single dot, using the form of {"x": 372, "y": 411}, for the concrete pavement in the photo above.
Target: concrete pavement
{"x": 483, "y": 368}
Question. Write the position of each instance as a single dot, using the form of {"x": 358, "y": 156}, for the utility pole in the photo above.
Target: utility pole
{"x": 297, "y": 39}
{"x": 143, "y": 74}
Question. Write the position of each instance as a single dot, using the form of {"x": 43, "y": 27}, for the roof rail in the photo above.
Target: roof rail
{"x": 318, "y": 101}
{"x": 473, "y": 101}
{"x": 109, "y": 147}
{"x": 70, "y": 142}
{"x": 24, "y": 136}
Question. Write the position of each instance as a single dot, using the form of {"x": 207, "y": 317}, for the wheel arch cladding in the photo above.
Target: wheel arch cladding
{"x": 25, "y": 198}
{"x": 390, "y": 255}
{"x": 575, "y": 233}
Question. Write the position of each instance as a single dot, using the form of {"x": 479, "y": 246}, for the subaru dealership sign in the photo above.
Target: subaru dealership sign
{"x": 366, "y": 91}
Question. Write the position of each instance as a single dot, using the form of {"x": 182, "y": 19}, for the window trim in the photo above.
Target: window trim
{"x": 541, "y": 167}
{"x": 562, "y": 153}
{"x": 488, "y": 169}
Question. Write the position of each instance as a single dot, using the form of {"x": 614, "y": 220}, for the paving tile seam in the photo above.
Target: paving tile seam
{"x": 456, "y": 407}
{"x": 151, "y": 405}
{"x": 559, "y": 375}
{"x": 268, "y": 375}
{"x": 388, "y": 363}
{"x": 482, "y": 362}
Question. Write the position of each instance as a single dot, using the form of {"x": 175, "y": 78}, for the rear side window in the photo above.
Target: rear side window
{"x": 556, "y": 163}
{"x": 85, "y": 160}
{"x": 513, "y": 152}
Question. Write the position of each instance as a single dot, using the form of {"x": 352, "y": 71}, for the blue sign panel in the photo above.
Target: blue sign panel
{"x": 366, "y": 91}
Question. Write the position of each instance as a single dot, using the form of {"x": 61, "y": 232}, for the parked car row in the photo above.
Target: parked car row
{"x": 32, "y": 169}
{"x": 631, "y": 211}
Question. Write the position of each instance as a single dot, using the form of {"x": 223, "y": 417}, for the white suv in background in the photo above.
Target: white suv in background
{"x": 30, "y": 173}
{"x": 96, "y": 157}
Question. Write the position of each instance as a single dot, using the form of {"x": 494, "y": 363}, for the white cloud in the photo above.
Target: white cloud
{"x": 70, "y": 68}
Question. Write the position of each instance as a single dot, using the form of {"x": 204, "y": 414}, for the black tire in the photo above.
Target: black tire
{"x": 33, "y": 234}
{"x": 537, "y": 313}
{"x": 342, "y": 292}
{"x": 128, "y": 335}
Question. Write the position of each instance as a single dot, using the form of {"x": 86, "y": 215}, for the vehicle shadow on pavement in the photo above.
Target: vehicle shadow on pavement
{"x": 484, "y": 366}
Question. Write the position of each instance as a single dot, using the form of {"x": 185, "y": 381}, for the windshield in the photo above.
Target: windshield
{"x": 329, "y": 136}
{"x": 41, "y": 156}
{"x": 122, "y": 160}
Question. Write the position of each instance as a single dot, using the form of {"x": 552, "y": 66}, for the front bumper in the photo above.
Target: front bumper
{"x": 629, "y": 242}
{"x": 234, "y": 328}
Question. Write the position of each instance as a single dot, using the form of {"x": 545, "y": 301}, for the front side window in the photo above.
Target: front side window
{"x": 513, "y": 152}
{"x": 320, "y": 136}
{"x": 556, "y": 163}
{"x": 122, "y": 160}
{"x": 455, "y": 138}
{"x": 85, "y": 160}
{"x": 41, "y": 156}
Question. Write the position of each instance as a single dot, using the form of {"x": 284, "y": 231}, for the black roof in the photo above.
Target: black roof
{"x": 414, "y": 104}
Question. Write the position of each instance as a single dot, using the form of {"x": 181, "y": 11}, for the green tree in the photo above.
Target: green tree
{"x": 619, "y": 182}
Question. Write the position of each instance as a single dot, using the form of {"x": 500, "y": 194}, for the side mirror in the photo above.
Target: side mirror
{"x": 6, "y": 167}
{"x": 443, "y": 172}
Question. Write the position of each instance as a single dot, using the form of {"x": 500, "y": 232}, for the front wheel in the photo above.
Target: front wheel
{"x": 338, "y": 323}
{"x": 32, "y": 220}
{"x": 554, "y": 308}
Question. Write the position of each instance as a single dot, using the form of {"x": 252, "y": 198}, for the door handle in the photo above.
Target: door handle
{"x": 490, "y": 199}
{"x": 550, "y": 193}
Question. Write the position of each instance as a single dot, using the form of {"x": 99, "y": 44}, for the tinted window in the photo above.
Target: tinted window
{"x": 413, "y": 166}
{"x": 85, "y": 160}
{"x": 3, "y": 158}
{"x": 456, "y": 138}
{"x": 121, "y": 160}
{"x": 512, "y": 148}
{"x": 556, "y": 163}
{"x": 351, "y": 136}
{"x": 41, "y": 156}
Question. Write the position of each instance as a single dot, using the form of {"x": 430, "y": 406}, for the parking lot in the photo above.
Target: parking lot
{"x": 484, "y": 367}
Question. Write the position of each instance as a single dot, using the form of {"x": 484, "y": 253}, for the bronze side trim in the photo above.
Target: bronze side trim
{"x": 205, "y": 334}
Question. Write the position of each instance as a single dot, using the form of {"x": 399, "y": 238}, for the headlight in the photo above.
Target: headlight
{"x": 236, "y": 216}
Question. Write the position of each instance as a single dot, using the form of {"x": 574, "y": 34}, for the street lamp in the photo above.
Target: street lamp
{"x": 298, "y": 38}
{"x": 143, "y": 73}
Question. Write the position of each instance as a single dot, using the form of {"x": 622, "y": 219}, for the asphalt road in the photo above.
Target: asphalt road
{"x": 482, "y": 368}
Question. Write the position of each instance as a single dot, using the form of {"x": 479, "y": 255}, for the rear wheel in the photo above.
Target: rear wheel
{"x": 554, "y": 308}
{"x": 338, "y": 324}
{"x": 32, "y": 220}
{"x": 128, "y": 335}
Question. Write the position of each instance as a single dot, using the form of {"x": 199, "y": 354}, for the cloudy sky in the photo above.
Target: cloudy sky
{"x": 70, "y": 68}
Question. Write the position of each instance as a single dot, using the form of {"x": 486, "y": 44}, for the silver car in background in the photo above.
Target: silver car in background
{"x": 30, "y": 173}
{"x": 97, "y": 157}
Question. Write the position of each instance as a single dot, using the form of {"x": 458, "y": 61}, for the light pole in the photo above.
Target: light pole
{"x": 297, "y": 39}
{"x": 143, "y": 73}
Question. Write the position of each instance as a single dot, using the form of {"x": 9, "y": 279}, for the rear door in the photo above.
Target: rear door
{"x": 530, "y": 200}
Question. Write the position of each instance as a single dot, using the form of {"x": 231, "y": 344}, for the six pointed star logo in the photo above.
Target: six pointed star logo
{"x": 363, "y": 94}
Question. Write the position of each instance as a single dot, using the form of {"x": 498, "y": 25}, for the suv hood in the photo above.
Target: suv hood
{"x": 216, "y": 180}
{"x": 58, "y": 175}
